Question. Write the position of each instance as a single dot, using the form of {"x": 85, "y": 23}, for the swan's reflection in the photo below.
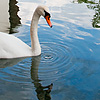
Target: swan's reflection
{"x": 9, "y": 62}
{"x": 42, "y": 94}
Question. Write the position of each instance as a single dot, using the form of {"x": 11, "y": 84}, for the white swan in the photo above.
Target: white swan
{"x": 12, "y": 47}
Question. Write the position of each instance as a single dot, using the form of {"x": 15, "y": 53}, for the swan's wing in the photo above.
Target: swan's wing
{"x": 12, "y": 47}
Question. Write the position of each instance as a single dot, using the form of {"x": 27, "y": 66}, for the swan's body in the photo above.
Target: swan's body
{"x": 12, "y": 47}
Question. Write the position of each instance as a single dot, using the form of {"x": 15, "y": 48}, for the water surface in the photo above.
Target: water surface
{"x": 70, "y": 53}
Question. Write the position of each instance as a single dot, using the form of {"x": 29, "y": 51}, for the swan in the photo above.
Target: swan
{"x": 13, "y": 47}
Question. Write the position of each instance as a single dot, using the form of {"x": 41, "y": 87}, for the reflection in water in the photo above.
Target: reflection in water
{"x": 9, "y": 62}
{"x": 96, "y": 17}
{"x": 85, "y": 1}
{"x": 17, "y": 74}
{"x": 4, "y": 16}
{"x": 9, "y": 20}
{"x": 42, "y": 94}
{"x": 95, "y": 6}
{"x": 14, "y": 18}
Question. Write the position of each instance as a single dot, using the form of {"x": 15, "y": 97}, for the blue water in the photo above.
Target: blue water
{"x": 70, "y": 56}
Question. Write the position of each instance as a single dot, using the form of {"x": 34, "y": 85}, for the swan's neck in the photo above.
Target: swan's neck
{"x": 36, "y": 49}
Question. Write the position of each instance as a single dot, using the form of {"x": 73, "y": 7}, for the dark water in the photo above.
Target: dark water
{"x": 70, "y": 56}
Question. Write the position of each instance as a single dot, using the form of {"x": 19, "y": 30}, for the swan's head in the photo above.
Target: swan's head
{"x": 44, "y": 11}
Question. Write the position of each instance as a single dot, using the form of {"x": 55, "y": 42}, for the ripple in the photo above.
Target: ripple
{"x": 57, "y": 60}
{"x": 52, "y": 52}
{"x": 18, "y": 73}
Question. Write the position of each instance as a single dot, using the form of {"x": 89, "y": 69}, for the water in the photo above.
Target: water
{"x": 70, "y": 53}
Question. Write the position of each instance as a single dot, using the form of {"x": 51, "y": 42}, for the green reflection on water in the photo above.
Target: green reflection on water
{"x": 94, "y": 5}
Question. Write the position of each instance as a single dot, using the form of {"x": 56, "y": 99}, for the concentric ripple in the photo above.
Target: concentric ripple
{"x": 53, "y": 53}
{"x": 57, "y": 60}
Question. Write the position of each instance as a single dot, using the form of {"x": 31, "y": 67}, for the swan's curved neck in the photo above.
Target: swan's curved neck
{"x": 36, "y": 49}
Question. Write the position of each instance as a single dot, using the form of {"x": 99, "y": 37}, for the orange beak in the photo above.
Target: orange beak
{"x": 48, "y": 21}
